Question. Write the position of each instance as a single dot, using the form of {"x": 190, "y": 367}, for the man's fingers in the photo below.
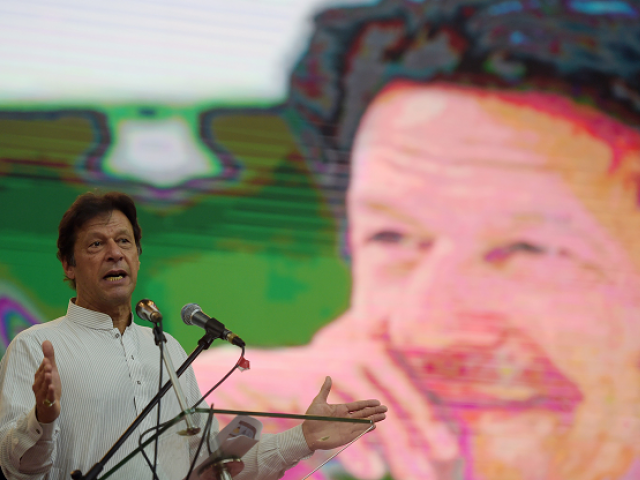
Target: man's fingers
{"x": 399, "y": 448}
{"x": 360, "y": 410}
{"x": 43, "y": 378}
{"x": 361, "y": 459}
{"x": 374, "y": 413}
{"x": 47, "y": 386}
{"x": 47, "y": 349}
{"x": 51, "y": 393}
{"x": 325, "y": 389}
{"x": 360, "y": 404}
{"x": 39, "y": 373}
{"x": 363, "y": 408}
{"x": 39, "y": 378}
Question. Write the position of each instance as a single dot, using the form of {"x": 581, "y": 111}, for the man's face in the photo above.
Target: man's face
{"x": 107, "y": 263}
{"x": 492, "y": 252}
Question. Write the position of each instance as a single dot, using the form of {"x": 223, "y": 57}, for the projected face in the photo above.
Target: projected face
{"x": 493, "y": 254}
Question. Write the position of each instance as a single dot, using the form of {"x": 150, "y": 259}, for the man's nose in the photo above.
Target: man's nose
{"x": 113, "y": 250}
{"x": 452, "y": 297}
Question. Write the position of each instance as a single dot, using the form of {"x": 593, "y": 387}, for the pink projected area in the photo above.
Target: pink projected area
{"x": 495, "y": 297}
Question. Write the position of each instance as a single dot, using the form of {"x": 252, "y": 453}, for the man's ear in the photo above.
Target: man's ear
{"x": 69, "y": 270}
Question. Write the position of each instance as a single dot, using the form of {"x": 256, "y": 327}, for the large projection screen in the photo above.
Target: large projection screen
{"x": 433, "y": 202}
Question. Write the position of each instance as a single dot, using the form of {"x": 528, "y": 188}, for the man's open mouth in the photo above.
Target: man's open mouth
{"x": 115, "y": 276}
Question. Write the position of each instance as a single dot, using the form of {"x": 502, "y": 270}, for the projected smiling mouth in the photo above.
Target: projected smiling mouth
{"x": 508, "y": 375}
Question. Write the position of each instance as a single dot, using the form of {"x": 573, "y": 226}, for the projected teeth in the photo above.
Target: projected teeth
{"x": 113, "y": 279}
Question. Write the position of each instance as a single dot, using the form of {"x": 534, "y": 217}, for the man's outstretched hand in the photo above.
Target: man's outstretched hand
{"x": 321, "y": 435}
{"x": 47, "y": 387}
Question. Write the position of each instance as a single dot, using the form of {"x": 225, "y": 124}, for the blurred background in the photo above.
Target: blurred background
{"x": 123, "y": 96}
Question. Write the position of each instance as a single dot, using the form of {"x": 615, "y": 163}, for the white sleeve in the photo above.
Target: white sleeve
{"x": 274, "y": 454}
{"x": 27, "y": 447}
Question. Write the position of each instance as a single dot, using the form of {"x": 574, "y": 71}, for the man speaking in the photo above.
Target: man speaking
{"x": 70, "y": 387}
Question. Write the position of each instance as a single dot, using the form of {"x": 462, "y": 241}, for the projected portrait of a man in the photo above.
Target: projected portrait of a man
{"x": 490, "y": 155}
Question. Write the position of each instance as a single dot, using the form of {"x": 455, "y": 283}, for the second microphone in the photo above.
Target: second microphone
{"x": 192, "y": 314}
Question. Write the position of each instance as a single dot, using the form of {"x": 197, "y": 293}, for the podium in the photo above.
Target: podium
{"x": 219, "y": 456}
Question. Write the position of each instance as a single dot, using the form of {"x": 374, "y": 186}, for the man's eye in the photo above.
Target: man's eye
{"x": 387, "y": 236}
{"x": 95, "y": 244}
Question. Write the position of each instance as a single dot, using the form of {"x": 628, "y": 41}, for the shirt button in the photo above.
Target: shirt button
{"x": 139, "y": 382}
{"x": 37, "y": 431}
{"x": 132, "y": 358}
{"x": 117, "y": 335}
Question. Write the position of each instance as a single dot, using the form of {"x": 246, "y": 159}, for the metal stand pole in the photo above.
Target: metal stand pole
{"x": 226, "y": 468}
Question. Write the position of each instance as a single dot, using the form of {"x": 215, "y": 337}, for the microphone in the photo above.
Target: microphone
{"x": 192, "y": 314}
{"x": 148, "y": 311}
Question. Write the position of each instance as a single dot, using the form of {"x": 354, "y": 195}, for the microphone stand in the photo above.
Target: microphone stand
{"x": 203, "y": 344}
{"x": 160, "y": 340}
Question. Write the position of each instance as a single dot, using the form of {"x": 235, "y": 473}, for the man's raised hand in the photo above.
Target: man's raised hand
{"x": 325, "y": 435}
{"x": 47, "y": 387}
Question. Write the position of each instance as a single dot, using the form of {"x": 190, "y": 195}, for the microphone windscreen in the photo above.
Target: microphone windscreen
{"x": 187, "y": 312}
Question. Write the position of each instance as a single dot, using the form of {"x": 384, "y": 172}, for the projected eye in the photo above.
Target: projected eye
{"x": 387, "y": 236}
{"x": 527, "y": 248}
{"x": 502, "y": 253}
